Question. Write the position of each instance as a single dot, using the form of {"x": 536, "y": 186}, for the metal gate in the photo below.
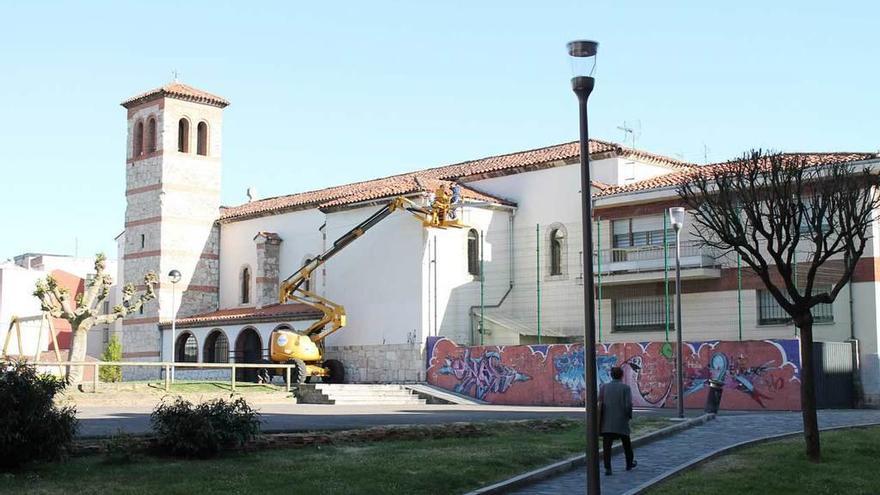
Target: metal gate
{"x": 834, "y": 374}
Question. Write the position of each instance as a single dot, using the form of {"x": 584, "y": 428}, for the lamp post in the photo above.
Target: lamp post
{"x": 174, "y": 277}
{"x": 676, "y": 216}
{"x": 582, "y": 54}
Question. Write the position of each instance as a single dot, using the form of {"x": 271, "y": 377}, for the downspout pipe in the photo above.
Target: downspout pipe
{"x": 510, "y": 271}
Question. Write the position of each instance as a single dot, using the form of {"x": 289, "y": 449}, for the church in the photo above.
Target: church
{"x": 512, "y": 275}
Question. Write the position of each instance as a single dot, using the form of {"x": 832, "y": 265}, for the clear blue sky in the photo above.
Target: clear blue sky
{"x": 331, "y": 92}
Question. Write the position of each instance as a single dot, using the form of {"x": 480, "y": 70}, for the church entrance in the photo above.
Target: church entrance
{"x": 248, "y": 349}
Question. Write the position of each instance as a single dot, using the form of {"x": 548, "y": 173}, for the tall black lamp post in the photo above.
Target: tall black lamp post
{"x": 583, "y": 62}
{"x": 676, "y": 215}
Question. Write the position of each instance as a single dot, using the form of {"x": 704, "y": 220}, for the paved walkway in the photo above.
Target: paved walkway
{"x": 667, "y": 454}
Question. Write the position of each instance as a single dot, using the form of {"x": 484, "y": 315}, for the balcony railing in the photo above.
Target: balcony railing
{"x": 650, "y": 258}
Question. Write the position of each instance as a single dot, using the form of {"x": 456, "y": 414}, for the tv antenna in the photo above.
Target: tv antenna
{"x": 631, "y": 133}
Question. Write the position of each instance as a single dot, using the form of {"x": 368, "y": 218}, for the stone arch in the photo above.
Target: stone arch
{"x": 216, "y": 348}
{"x": 186, "y": 348}
{"x": 248, "y": 349}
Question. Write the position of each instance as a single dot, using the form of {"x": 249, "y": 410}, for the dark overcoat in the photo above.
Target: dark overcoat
{"x": 616, "y": 407}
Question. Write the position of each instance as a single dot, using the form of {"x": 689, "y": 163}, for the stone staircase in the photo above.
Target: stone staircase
{"x": 356, "y": 394}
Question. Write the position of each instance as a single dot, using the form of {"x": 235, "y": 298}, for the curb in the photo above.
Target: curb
{"x": 729, "y": 449}
{"x": 581, "y": 459}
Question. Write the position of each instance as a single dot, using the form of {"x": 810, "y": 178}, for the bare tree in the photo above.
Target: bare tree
{"x": 767, "y": 208}
{"x": 83, "y": 313}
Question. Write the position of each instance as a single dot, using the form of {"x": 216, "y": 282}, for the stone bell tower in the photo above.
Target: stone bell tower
{"x": 173, "y": 167}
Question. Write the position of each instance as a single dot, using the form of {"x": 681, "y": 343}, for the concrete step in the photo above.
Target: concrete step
{"x": 351, "y": 393}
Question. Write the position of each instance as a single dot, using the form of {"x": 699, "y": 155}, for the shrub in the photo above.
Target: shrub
{"x": 202, "y": 430}
{"x": 31, "y": 426}
{"x": 113, "y": 352}
{"x": 121, "y": 448}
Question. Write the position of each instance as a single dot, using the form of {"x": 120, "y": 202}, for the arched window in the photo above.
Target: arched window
{"x": 557, "y": 238}
{"x": 138, "y": 139}
{"x": 246, "y": 285}
{"x": 202, "y": 139}
{"x": 186, "y": 349}
{"x": 183, "y": 136}
{"x": 473, "y": 252}
{"x": 216, "y": 348}
{"x": 151, "y": 135}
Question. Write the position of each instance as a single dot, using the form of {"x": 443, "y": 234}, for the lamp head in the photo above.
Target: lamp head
{"x": 676, "y": 216}
{"x": 582, "y": 54}
{"x": 174, "y": 276}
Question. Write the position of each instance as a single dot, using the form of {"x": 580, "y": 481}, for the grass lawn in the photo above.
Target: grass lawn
{"x": 426, "y": 466}
{"x": 181, "y": 387}
{"x": 849, "y": 466}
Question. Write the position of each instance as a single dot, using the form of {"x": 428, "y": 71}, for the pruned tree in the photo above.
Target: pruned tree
{"x": 772, "y": 209}
{"x": 84, "y": 312}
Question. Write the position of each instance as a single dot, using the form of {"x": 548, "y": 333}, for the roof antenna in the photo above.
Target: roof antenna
{"x": 174, "y": 75}
{"x": 705, "y": 154}
{"x": 251, "y": 194}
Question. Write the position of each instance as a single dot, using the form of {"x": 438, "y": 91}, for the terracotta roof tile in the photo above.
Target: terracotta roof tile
{"x": 179, "y": 91}
{"x": 684, "y": 175}
{"x": 272, "y": 312}
{"x": 419, "y": 181}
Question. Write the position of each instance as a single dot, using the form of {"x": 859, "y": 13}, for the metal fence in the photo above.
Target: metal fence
{"x": 527, "y": 287}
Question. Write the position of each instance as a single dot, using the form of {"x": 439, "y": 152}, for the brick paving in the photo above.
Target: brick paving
{"x": 669, "y": 453}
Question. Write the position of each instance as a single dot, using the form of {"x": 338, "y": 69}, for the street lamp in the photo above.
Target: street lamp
{"x": 676, "y": 216}
{"x": 583, "y": 63}
{"x": 174, "y": 277}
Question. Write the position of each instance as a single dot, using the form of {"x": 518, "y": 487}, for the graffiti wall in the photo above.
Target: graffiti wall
{"x": 756, "y": 374}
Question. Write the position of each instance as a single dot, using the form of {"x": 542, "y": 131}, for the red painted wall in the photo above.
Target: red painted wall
{"x": 756, "y": 374}
{"x": 76, "y": 286}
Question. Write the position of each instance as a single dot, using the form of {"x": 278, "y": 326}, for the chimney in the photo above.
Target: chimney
{"x": 268, "y": 254}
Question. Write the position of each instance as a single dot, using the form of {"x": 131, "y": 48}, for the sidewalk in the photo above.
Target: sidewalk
{"x": 667, "y": 454}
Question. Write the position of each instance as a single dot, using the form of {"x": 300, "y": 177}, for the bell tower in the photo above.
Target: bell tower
{"x": 173, "y": 169}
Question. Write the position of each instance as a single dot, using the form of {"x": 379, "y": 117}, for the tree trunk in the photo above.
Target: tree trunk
{"x": 808, "y": 394}
{"x": 78, "y": 348}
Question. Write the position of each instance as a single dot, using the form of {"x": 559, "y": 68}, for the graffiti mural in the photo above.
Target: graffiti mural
{"x": 755, "y": 374}
{"x": 482, "y": 375}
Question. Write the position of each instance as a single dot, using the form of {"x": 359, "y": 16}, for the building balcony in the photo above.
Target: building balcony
{"x": 647, "y": 264}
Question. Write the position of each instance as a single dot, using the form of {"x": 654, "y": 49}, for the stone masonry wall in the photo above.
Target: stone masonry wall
{"x": 268, "y": 256}
{"x": 380, "y": 363}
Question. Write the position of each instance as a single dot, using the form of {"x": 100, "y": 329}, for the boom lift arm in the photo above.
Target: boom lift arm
{"x": 293, "y": 288}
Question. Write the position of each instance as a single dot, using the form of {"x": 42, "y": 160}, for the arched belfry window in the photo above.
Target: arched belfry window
{"x": 245, "y": 285}
{"x": 138, "y": 139}
{"x": 202, "y": 139}
{"x": 183, "y": 136}
{"x": 473, "y": 252}
{"x": 557, "y": 238}
{"x": 151, "y": 135}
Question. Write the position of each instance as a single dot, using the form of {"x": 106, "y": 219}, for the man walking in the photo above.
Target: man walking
{"x": 615, "y": 413}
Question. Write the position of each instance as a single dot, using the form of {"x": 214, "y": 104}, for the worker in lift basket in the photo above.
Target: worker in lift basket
{"x": 456, "y": 200}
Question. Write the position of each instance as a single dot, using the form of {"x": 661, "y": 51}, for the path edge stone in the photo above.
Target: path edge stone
{"x": 729, "y": 449}
{"x": 549, "y": 470}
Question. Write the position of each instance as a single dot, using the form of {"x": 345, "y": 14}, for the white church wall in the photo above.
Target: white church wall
{"x": 457, "y": 290}
{"x": 378, "y": 278}
{"x": 301, "y": 237}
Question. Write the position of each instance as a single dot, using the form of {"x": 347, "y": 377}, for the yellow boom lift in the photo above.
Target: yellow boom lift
{"x": 305, "y": 349}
